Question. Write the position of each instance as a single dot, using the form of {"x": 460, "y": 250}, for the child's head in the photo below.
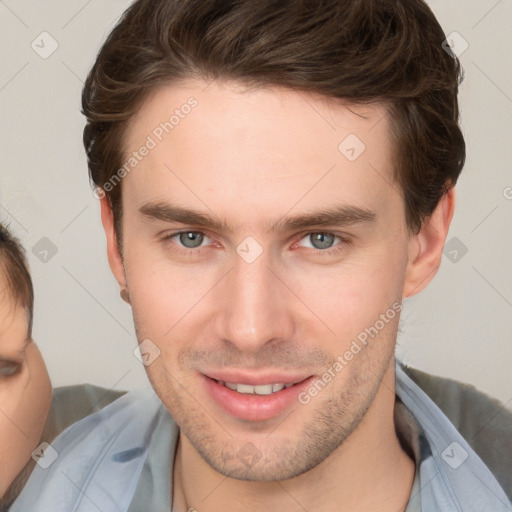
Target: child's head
{"x": 25, "y": 389}
{"x": 15, "y": 283}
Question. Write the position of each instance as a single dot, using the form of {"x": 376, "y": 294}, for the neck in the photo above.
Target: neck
{"x": 368, "y": 472}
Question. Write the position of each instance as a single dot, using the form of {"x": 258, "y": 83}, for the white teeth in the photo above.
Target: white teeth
{"x": 262, "y": 389}
{"x": 265, "y": 389}
{"x": 245, "y": 388}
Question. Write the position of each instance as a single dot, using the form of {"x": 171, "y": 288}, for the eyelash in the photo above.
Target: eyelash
{"x": 319, "y": 252}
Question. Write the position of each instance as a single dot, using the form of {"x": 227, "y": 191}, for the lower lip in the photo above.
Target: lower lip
{"x": 254, "y": 407}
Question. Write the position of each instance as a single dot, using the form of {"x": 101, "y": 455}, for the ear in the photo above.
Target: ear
{"x": 425, "y": 249}
{"x": 114, "y": 256}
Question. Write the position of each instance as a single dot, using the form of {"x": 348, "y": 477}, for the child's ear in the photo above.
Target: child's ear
{"x": 115, "y": 259}
{"x": 426, "y": 247}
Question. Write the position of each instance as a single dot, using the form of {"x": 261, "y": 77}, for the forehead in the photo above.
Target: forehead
{"x": 13, "y": 319}
{"x": 259, "y": 145}
{"x": 250, "y": 112}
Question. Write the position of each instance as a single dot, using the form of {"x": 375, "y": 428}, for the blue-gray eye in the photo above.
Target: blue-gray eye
{"x": 191, "y": 239}
{"x": 322, "y": 240}
{"x": 8, "y": 368}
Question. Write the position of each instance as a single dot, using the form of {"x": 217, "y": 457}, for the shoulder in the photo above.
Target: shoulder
{"x": 72, "y": 403}
{"x": 484, "y": 422}
{"x": 111, "y": 447}
{"x": 69, "y": 404}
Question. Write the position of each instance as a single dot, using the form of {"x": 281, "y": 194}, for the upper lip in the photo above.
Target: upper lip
{"x": 252, "y": 379}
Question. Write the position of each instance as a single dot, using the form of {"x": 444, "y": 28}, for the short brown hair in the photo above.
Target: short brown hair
{"x": 363, "y": 51}
{"x": 14, "y": 270}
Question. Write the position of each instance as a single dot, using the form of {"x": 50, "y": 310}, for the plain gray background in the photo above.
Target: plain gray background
{"x": 459, "y": 327}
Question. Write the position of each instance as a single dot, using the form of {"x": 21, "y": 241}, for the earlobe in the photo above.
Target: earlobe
{"x": 115, "y": 259}
{"x": 125, "y": 295}
{"x": 426, "y": 247}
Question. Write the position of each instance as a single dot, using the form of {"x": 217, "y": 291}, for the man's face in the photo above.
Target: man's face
{"x": 263, "y": 301}
{"x": 25, "y": 391}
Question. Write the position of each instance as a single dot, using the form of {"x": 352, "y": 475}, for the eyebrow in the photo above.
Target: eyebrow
{"x": 18, "y": 353}
{"x": 22, "y": 350}
{"x": 338, "y": 215}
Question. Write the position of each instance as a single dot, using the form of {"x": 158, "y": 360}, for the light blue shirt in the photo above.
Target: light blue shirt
{"x": 120, "y": 459}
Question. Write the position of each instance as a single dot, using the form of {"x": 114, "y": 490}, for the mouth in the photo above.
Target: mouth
{"x": 255, "y": 399}
{"x": 262, "y": 389}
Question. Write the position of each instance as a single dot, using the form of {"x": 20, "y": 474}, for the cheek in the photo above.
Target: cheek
{"x": 161, "y": 292}
{"x": 352, "y": 297}
{"x": 25, "y": 401}
{"x": 14, "y": 450}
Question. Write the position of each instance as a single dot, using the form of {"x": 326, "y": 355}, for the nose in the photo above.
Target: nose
{"x": 256, "y": 307}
